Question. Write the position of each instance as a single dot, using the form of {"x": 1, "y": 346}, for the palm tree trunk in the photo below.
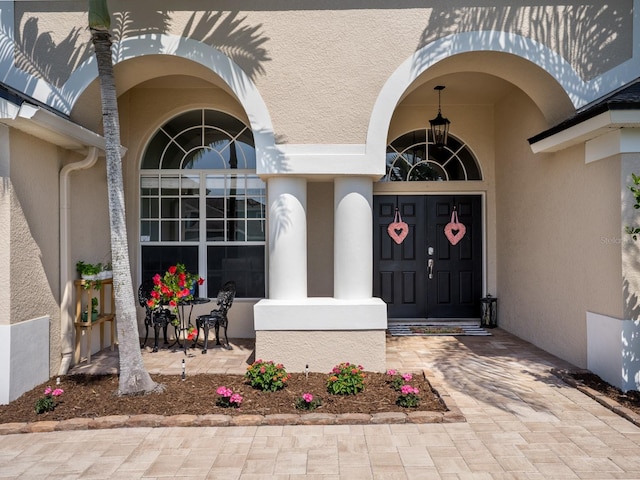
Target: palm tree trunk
{"x": 134, "y": 377}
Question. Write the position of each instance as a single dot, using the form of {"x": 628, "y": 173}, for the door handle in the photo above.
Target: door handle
{"x": 430, "y": 268}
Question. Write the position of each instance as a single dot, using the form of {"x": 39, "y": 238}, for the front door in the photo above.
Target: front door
{"x": 426, "y": 276}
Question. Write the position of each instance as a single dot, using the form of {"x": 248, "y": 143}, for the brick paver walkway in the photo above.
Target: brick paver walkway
{"x": 521, "y": 423}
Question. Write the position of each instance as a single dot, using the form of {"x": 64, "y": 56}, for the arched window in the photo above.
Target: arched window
{"x": 202, "y": 204}
{"x": 414, "y": 157}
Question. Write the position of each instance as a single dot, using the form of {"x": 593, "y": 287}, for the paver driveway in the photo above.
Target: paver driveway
{"x": 521, "y": 423}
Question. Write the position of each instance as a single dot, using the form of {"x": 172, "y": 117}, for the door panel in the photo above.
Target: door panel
{"x": 397, "y": 276}
{"x": 401, "y": 275}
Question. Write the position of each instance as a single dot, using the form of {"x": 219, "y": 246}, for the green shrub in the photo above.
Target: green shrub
{"x": 266, "y": 376}
{"x": 346, "y": 379}
{"x": 408, "y": 397}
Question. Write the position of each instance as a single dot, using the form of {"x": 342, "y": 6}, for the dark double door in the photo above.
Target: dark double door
{"x": 426, "y": 276}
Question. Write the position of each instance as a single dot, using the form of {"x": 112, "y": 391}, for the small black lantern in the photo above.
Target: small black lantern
{"x": 489, "y": 312}
{"x": 440, "y": 124}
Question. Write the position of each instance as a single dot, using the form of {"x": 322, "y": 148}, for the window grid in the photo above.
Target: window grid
{"x": 198, "y": 189}
{"x": 414, "y": 157}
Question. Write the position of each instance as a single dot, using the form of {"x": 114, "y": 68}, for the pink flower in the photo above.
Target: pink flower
{"x": 408, "y": 389}
{"x": 307, "y": 397}
{"x": 236, "y": 398}
{"x": 391, "y": 372}
{"x": 407, "y": 377}
{"x": 57, "y": 392}
{"x": 224, "y": 391}
{"x": 47, "y": 391}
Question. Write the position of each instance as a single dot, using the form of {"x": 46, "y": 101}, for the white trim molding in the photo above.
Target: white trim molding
{"x": 23, "y": 365}
{"x": 606, "y": 134}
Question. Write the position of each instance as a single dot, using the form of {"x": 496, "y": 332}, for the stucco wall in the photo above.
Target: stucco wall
{"x": 34, "y": 235}
{"x": 320, "y": 218}
{"x": 89, "y": 226}
{"x": 558, "y": 236}
{"x": 320, "y": 67}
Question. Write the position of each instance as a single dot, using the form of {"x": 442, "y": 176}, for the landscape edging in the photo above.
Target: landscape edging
{"x": 603, "y": 400}
{"x": 452, "y": 415}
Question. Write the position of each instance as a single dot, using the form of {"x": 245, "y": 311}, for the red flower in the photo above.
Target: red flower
{"x": 174, "y": 287}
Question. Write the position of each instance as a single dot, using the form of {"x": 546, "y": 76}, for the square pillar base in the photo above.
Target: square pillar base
{"x": 321, "y": 333}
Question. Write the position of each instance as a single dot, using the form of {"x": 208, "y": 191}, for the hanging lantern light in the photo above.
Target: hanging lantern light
{"x": 440, "y": 124}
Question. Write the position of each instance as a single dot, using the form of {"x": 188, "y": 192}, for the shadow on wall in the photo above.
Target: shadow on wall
{"x": 39, "y": 55}
{"x": 630, "y": 341}
{"x": 566, "y": 29}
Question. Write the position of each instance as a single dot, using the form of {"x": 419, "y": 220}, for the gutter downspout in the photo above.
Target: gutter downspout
{"x": 66, "y": 283}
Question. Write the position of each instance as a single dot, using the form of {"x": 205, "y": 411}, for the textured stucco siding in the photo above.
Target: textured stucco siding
{"x": 558, "y": 237}
{"x": 322, "y": 350}
{"x": 34, "y": 235}
{"x": 319, "y": 69}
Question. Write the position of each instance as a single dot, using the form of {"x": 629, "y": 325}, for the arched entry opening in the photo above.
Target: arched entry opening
{"x": 164, "y": 93}
{"x": 494, "y": 101}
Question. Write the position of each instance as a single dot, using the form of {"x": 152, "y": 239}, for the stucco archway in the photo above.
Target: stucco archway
{"x": 541, "y": 73}
{"x": 202, "y": 61}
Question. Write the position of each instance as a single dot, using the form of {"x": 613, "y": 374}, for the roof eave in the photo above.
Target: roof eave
{"x": 48, "y": 126}
{"x": 610, "y": 119}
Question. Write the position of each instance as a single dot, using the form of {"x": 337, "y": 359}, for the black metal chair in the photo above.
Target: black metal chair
{"x": 157, "y": 318}
{"x": 217, "y": 318}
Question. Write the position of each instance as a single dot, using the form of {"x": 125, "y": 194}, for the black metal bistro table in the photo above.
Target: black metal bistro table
{"x": 184, "y": 320}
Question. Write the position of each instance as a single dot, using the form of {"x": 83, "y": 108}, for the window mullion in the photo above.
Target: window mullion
{"x": 202, "y": 243}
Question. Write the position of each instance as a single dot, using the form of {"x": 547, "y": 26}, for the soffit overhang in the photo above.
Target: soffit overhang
{"x": 49, "y": 127}
{"x": 618, "y": 111}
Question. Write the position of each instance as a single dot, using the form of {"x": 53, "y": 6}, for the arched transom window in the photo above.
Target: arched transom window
{"x": 202, "y": 204}
{"x": 414, "y": 157}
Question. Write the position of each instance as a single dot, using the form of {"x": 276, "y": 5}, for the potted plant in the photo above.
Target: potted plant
{"x": 88, "y": 271}
{"x": 106, "y": 272}
{"x": 174, "y": 286}
{"x": 94, "y": 273}
{"x": 94, "y": 311}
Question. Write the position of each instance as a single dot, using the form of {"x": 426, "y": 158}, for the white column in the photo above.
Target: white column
{"x": 287, "y": 198}
{"x": 353, "y": 238}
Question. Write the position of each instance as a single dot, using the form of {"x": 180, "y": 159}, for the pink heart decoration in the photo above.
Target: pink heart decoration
{"x": 459, "y": 230}
{"x": 398, "y": 231}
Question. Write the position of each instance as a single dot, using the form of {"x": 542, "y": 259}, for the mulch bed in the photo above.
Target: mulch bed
{"x": 92, "y": 396}
{"x": 629, "y": 399}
